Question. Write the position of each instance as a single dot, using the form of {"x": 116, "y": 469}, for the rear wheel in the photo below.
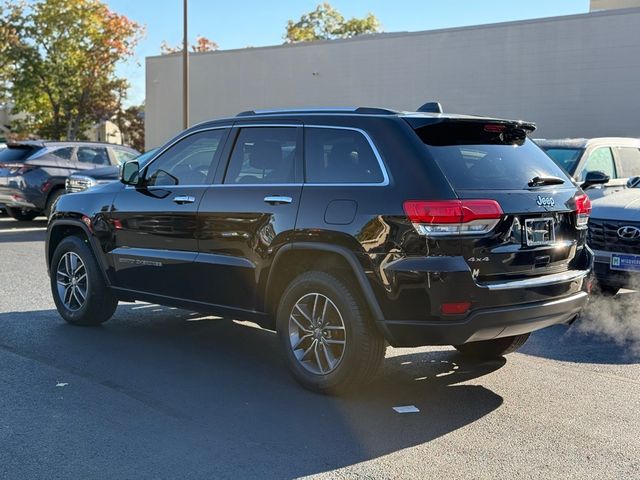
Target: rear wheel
{"x": 491, "y": 349}
{"x": 78, "y": 287}
{"x": 21, "y": 214}
{"x": 330, "y": 344}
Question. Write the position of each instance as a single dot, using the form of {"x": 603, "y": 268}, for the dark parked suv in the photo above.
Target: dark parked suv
{"x": 32, "y": 174}
{"x": 341, "y": 229}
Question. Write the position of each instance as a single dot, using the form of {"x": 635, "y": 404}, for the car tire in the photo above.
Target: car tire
{"x": 348, "y": 347}
{"x": 78, "y": 286}
{"x": 22, "y": 215}
{"x": 492, "y": 349}
{"x": 55, "y": 195}
{"x": 607, "y": 290}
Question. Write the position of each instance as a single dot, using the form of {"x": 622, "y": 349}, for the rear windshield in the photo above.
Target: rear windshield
{"x": 480, "y": 155}
{"x": 567, "y": 158}
{"x": 17, "y": 154}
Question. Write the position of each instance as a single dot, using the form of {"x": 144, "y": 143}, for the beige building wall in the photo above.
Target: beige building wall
{"x": 577, "y": 75}
{"x": 609, "y": 4}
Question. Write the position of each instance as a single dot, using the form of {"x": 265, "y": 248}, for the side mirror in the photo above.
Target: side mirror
{"x": 633, "y": 182}
{"x": 594, "y": 177}
{"x": 130, "y": 173}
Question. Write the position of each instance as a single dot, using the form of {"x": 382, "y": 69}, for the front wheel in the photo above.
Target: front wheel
{"x": 78, "y": 286}
{"x": 330, "y": 343}
{"x": 22, "y": 215}
{"x": 492, "y": 349}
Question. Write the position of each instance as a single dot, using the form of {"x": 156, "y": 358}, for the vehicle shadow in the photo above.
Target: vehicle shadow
{"x": 227, "y": 401}
{"x": 13, "y": 231}
{"x": 607, "y": 332}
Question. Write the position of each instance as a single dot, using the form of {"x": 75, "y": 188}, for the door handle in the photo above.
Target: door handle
{"x": 277, "y": 199}
{"x": 182, "y": 199}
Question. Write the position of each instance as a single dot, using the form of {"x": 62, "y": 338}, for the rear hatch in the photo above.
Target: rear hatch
{"x": 13, "y": 158}
{"x": 539, "y": 226}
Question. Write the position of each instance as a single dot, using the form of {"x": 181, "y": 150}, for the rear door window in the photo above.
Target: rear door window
{"x": 93, "y": 155}
{"x": 487, "y": 156}
{"x": 600, "y": 160}
{"x": 335, "y": 156}
{"x": 263, "y": 155}
{"x": 629, "y": 161}
{"x": 64, "y": 153}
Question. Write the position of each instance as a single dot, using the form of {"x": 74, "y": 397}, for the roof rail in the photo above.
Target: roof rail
{"x": 359, "y": 110}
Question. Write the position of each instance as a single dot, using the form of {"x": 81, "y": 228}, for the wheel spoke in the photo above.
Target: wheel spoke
{"x": 324, "y": 310}
{"x": 313, "y": 344}
{"x": 82, "y": 295}
{"x": 74, "y": 294}
{"x": 304, "y": 314}
{"x": 66, "y": 298}
{"x": 73, "y": 263}
{"x": 301, "y": 339}
{"x": 315, "y": 305}
{"x": 334, "y": 327}
{"x": 295, "y": 320}
{"x": 67, "y": 264}
{"x": 330, "y": 341}
{"x": 331, "y": 359}
{"x": 81, "y": 277}
{"x": 315, "y": 352}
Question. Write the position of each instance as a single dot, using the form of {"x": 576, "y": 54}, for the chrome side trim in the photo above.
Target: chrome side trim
{"x": 569, "y": 276}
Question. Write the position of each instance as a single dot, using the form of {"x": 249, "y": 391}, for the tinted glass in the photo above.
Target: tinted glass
{"x": 14, "y": 154}
{"x": 188, "y": 162}
{"x": 94, "y": 155}
{"x": 600, "y": 160}
{"x": 474, "y": 158}
{"x": 629, "y": 161}
{"x": 123, "y": 155}
{"x": 263, "y": 155}
{"x": 339, "y": 156}
{"x": 567, "y": 158}
{"x": 64, "y": 153}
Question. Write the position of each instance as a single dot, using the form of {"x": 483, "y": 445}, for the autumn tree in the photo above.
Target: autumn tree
{"x": 64, "y": 63}
{"x": 202, "y": 44}
{"x": 327, "y": 23}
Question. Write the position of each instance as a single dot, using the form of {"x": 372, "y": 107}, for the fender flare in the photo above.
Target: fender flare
{"x": 92, "y": 244}
{"x": 351, "y": 259}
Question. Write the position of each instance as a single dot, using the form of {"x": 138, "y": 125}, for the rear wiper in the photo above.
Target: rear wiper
{"x": 540, "y": 181}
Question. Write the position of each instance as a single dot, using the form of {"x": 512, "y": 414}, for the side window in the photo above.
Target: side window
{"x": 63, "y": 153}
{"x": 263, "y": 155}
{"x": 187, "y": 162}
{"x": 629, "y": 161}
{"x": 123, "y": 156}
{"x": 601, "y": 160}
{"x": 339, "y": 156}
{"x": 94, "y": 155}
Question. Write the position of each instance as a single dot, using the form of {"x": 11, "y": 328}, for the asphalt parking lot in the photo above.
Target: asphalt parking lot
{"x": 164, "y": 393}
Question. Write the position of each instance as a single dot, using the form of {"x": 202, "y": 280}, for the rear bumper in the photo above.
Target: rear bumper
{"x": 20, "y": 198}
{"x": 485, "y": 324}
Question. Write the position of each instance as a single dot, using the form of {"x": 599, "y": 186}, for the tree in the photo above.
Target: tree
{"x": 64, "y": 63}
{"x": 202, "y": 44}
{"x": 130, "y": 121}
{"x": 327, "y": 23}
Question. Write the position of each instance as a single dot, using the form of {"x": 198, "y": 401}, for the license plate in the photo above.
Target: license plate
{"x": 539, "y": 231}
{"x": 627, "y": 263}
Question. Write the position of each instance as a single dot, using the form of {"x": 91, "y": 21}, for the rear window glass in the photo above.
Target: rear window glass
{"x": 339, "y": 156}
{"x": 567, "y": 158}
{"x": 476, "y": 155}
{"x": 17, "y": 154}
{"x": 630, "y": 161}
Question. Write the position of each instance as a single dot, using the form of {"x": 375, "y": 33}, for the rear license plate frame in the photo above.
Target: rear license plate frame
{"x": 625, "y": 262}
{"x": 539, "y": 231}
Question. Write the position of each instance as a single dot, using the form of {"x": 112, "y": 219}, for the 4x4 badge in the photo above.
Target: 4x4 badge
{"x": 545, "y": 201}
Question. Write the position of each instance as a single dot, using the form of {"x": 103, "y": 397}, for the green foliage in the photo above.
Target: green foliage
{"x": 62, "y": 63}
{"x": 327, "y": 23}
{"x": 131, "y": 124}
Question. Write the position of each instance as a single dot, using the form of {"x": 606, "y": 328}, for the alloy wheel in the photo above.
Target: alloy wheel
{"x": 72, "y": 281}
{"x": 317, "y": 333}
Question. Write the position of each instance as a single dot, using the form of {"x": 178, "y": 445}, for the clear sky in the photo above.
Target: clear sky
{"x": 242, "y": 23}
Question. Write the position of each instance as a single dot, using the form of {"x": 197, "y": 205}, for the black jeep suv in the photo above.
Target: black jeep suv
{"x": 341, "y": 229}
{"x": 33, "y": 173}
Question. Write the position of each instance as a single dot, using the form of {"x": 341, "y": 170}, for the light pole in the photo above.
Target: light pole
{"x": 185, "y": 71}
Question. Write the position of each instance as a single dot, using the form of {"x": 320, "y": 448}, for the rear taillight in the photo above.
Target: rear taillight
{"x": 583, "y": 210}
{"x": 453, "y": 217}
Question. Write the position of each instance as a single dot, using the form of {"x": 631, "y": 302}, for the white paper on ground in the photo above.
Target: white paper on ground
{"x": 406, "y": 409}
